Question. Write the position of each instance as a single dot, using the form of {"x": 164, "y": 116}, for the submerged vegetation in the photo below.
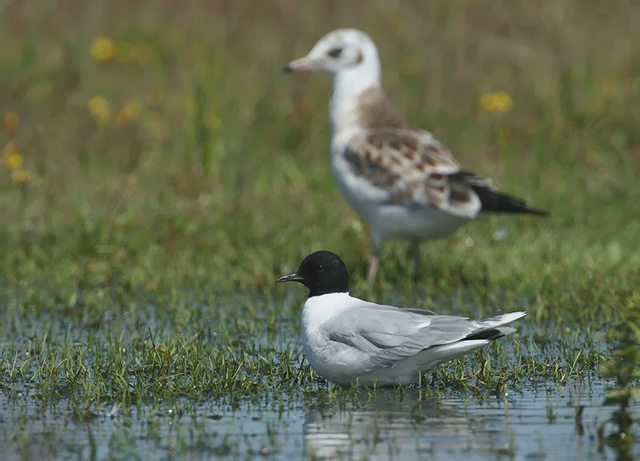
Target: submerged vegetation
{"x": 159, "y": 173}
{"x": 624, "y": 368}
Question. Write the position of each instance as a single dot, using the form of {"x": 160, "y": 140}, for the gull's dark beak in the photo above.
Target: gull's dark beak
{"x": 290, "y": 278}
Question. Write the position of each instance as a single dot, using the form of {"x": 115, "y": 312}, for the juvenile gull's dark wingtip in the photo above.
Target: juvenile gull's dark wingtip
{"x": 498, "y": 202}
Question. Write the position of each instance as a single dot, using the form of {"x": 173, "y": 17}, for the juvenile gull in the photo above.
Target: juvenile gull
{"x": 354, "y": 342}
{"x": 400, "y": 179}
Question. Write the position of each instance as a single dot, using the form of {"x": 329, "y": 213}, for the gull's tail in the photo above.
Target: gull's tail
{"x": 497, "y": 202}
{"x": 492, "y": 328}
{"x": 492, "y": 200}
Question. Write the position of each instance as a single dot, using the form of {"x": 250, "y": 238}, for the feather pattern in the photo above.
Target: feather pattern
{"x": 400, "y": 179}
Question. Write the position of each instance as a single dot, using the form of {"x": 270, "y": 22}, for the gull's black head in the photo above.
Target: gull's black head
{"x": 321, "y": 272}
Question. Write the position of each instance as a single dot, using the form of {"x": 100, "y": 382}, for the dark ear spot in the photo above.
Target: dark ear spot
{"x": 335, "y": 52}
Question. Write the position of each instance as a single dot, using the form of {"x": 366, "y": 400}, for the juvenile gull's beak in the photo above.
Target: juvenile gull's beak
{"x": 299, "y": 65}
{"x": 290, "y": 278}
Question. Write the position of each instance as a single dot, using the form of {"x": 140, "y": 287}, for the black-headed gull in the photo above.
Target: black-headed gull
{"x": 354, "y": 342}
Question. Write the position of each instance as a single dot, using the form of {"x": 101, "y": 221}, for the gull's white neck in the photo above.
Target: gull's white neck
{"x": 348, "y": 85}
{"x": 319, "y": 309}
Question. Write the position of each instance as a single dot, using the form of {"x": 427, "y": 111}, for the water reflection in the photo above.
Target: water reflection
{"x": 391, "y": 425}
{"x": 382, "y": 427}
{"x": 532, "y": 426}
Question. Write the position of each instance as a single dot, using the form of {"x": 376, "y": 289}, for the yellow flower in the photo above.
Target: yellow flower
{"x": 99, "y": 107}
{"x": 503, "y": 101}
{"x": 500, "y": 101}
{"x": 20, "y": 177}
{"x": 11, "y": 121}
{"x": 486, "y": 102}
{"x": 12, "y": 158}
{"x": 103, "y": 49}
{"x": 129, "y": 112}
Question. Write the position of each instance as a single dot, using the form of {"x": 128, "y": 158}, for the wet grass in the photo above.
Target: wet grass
{"x": 143, "y": 230}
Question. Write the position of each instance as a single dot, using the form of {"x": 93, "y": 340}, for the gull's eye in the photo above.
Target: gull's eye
{"x": 335, "y": 52}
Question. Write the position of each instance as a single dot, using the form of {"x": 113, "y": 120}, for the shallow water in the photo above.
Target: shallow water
{"x": 387, "y": 424}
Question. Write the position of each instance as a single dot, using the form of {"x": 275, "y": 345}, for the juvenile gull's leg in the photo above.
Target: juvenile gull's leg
{"x": 374, "y": 262}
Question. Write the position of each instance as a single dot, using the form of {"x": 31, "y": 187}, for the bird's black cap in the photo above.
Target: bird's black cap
{"x": 322, "y": 272}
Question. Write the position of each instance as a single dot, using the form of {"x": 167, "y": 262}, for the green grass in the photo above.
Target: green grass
{"x": 138, "y": 262}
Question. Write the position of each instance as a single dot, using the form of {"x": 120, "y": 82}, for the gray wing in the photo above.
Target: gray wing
{"x": 381, "y": 335}
{"x": 416, "y": 310}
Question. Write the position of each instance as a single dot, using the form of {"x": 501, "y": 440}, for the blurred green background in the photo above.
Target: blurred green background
{"x": 149, "y": 143}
